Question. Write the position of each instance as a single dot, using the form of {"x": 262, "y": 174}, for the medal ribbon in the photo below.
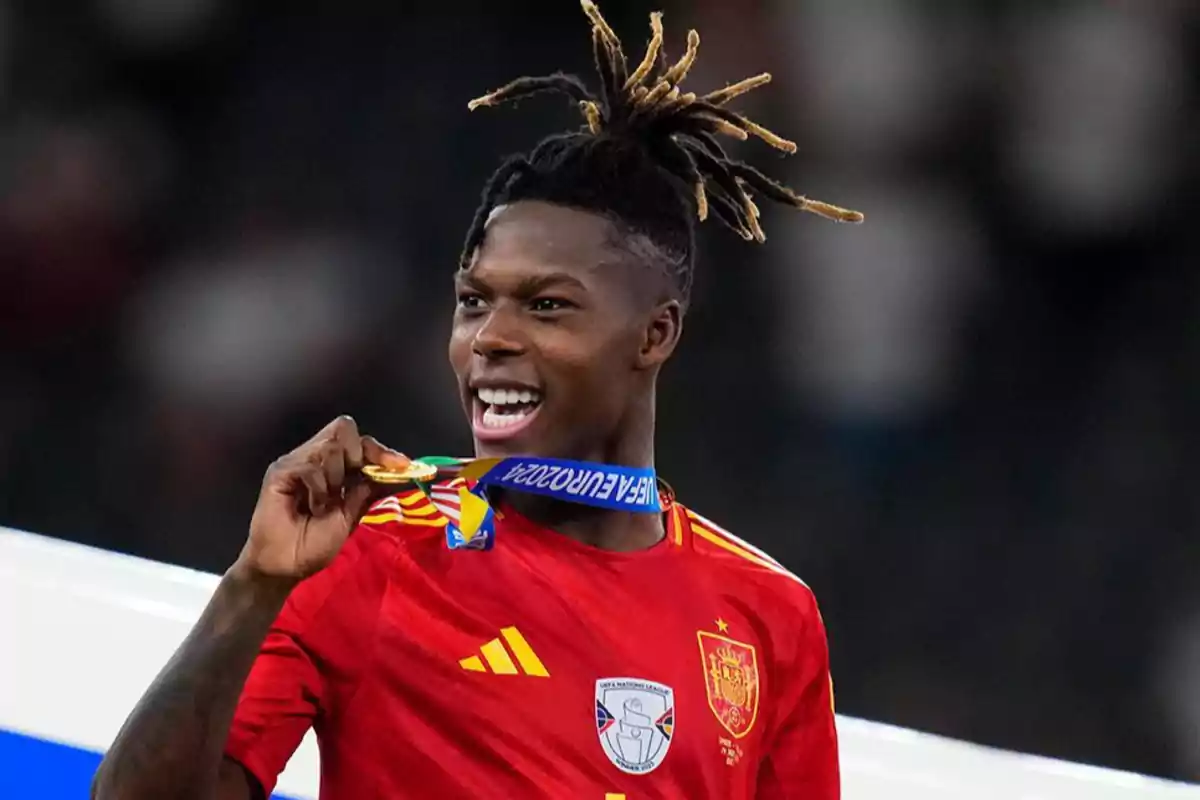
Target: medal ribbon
{"x": 607, "y": 486}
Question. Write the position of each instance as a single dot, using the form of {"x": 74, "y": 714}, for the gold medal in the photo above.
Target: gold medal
{"x": 415, "y": 471}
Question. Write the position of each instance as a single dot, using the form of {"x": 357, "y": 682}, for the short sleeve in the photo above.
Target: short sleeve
{"x": 311, "y": 659}
{"x": 801, "y": 760}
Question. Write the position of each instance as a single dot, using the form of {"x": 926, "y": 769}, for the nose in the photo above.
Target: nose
{"x": 498, "y": 336}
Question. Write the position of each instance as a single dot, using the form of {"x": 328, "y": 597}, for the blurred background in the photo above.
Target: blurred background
{"x": 971, "y": 420}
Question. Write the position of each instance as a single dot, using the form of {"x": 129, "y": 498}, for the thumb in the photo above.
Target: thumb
{"x": 376, "y": 453}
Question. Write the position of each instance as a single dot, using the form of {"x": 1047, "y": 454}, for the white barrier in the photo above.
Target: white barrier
{"x": 83, "y": 632}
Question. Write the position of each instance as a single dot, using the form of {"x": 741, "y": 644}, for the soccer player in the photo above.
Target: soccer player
{"x": 596, "y": 641}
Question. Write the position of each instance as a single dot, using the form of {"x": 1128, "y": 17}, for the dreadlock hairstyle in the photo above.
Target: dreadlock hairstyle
{"x": 648, "y": 159}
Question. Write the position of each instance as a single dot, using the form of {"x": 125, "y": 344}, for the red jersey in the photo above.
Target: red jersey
{"x": 545, "y": 668}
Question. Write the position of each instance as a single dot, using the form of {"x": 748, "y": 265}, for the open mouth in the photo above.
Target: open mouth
{"x": 500, "y": 413}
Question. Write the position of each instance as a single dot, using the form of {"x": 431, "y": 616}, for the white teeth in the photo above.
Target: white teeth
{"x": 493, "y": 420}
{"x": 506, "y": 407}
{"x": 505, "y": 397}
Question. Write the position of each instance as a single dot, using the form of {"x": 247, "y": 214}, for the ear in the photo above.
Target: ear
{"x": 661, "y": 334}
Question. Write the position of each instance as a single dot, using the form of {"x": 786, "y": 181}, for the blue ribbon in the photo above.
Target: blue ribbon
{"x": 600, "y": 485}
{"x": 607, "y": 486}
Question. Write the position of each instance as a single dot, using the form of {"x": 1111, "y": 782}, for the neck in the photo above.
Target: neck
{"x": 620, "y": 531}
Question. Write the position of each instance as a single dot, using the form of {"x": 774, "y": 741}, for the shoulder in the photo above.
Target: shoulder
{"x": 731, "y": 558}
{"x": 783, "y": 603}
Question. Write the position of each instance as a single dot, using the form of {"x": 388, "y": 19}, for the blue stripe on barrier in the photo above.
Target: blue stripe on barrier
{"x": 31, "y": 769}
{"x": 35, "y": 769}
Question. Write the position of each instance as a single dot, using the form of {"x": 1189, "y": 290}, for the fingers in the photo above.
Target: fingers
{"x": 376, "y": 453}
{"x": 346, "y": 435}
{"x": 331, "y": 457}
{"x": 360, "y": 496}
{"x": 337, "y": 450}
{"x": 342, "y": 437}
{"x": 324, "y": 473}
{"x": 316, "y": 488}
{"x": 336, "y": 426}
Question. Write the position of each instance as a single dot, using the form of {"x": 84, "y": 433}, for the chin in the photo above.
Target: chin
{"x": 501, "y": 450}
{"x": 515, "y": 446}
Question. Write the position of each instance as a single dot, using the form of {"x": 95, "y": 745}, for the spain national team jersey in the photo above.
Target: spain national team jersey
{"x": 545, "y": 668}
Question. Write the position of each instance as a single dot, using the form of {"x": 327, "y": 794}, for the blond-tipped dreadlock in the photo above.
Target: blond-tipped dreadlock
{"x": 649, "y": 157}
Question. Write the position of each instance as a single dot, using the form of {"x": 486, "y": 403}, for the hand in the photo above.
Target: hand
{"x": 311, "y": 499}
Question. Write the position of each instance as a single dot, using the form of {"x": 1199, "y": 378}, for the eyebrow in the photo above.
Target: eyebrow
{"x": 527, "y": 286}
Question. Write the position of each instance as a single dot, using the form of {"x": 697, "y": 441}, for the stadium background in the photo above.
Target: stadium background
{"x": 967, "y": 424}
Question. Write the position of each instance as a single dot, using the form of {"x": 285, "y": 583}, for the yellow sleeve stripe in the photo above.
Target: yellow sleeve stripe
{"x": 709, "y": 535}
{"x": 728, "y": 546}
{"x": 677, "y": 523}
{"x": 717, "y": 529}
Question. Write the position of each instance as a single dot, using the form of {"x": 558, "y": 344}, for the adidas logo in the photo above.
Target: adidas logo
{"x": 496, "y": 658}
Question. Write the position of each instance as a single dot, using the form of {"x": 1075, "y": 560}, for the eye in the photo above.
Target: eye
{"x": 470, "y": 301}
{"x": 546, "y": 305}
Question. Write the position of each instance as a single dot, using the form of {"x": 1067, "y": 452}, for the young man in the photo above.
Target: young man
{"x": 549, "y": 629}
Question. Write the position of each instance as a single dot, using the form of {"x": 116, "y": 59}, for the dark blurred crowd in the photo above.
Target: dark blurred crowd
{"x": 968, "y": 424}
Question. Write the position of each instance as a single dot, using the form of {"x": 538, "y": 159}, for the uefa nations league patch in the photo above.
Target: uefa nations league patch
{"x": 635, "y": 720}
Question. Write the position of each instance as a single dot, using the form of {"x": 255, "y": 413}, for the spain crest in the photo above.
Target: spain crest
{"x": 731, "y": 681}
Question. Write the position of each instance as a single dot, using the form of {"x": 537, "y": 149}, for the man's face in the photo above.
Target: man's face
{"x": 549, "y": 341}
